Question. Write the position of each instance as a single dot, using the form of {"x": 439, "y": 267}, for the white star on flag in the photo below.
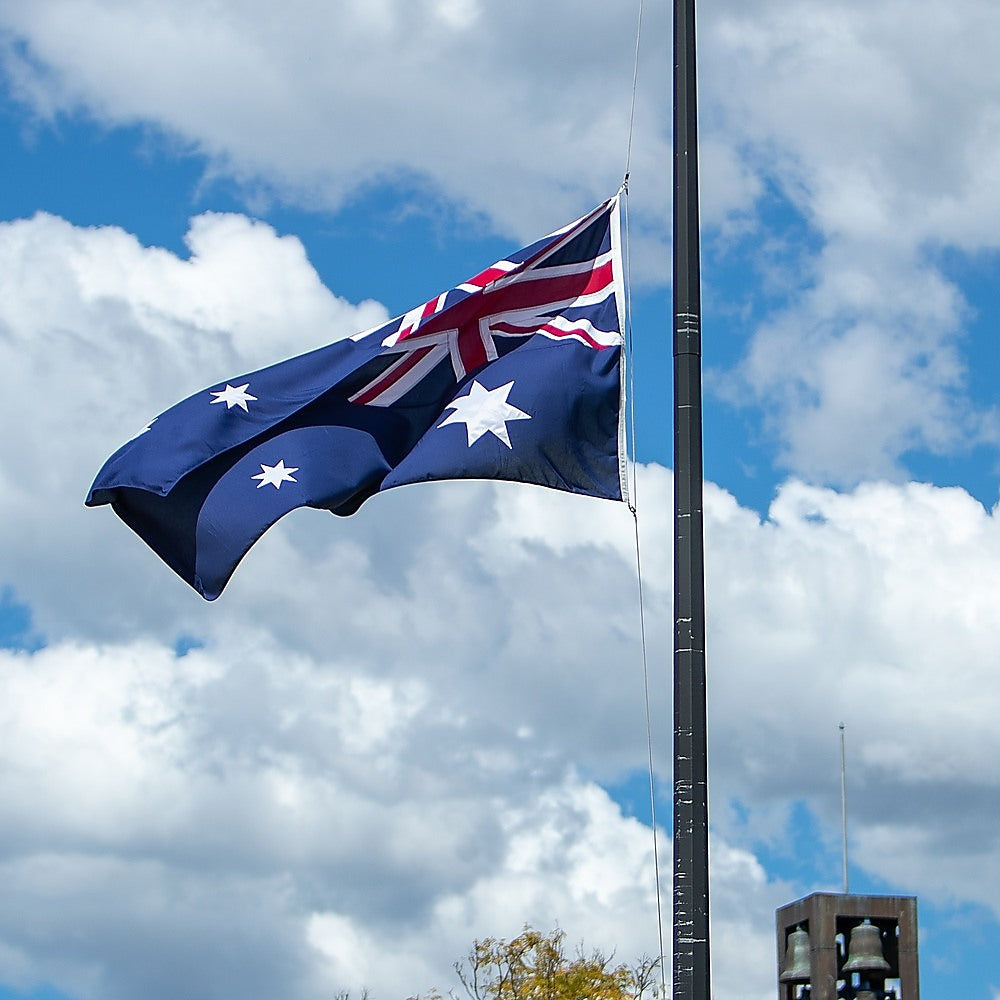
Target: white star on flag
{"x": 234, "y": 396}
{"x": 484, "y": 411}
{"x": 276, "y": 474}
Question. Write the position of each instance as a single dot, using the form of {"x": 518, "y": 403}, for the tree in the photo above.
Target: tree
{"x": 535, "y": 966}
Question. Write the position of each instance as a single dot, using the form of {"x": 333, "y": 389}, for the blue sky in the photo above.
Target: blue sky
{"x": 424, "y": 723}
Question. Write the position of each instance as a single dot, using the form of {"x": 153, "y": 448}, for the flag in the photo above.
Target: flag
{"x": 515, "y": 374}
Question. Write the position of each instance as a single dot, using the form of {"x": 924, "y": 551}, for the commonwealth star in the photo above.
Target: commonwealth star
{"x": 484, "y": 411}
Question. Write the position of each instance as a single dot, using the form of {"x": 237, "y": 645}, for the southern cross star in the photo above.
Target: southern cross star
{"x": 234, "y": 396}
{"x": 484, "y": 411}
{"x": 276, "y": 474}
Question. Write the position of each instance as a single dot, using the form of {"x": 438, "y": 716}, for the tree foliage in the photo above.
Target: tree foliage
{"x": 534, "y": 966}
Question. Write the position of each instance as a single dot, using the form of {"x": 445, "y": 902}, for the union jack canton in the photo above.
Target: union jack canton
{"x": 515, "y": 374}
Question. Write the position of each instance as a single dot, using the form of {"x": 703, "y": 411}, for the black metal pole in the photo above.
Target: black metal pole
{"x": 691, "y": 965}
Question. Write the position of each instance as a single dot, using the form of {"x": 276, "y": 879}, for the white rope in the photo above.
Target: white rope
{"x": 633, "y": 507}
{"x": 633, "y": 504}
{"x": 635, "y": 82}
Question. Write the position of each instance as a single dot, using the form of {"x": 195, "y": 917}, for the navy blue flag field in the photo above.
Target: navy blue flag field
{"x": 515, "y": 374}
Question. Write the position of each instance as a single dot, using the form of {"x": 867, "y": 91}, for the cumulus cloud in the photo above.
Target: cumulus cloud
{"x": 202, "y": 860}
{"x": 315, "y": 102}
{"x": 350, "y": 739}
{"x": 98, "y": 334}
{"x": 837, "y": 110}
{"x": 842, "y": 104}
{"x": 830, "y": 113}
{"x": 387, "y": 736}
{"x": 861, "y": 369}
{"x": 878, "y": 606}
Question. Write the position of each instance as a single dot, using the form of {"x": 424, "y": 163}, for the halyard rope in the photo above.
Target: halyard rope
{"x": 633, "y": 508}
{"x": 635, "y": 81}
{"x": 633, "y": 504}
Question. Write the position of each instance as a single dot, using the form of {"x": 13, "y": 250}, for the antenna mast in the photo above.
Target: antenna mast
{"x": 843, "y": 804}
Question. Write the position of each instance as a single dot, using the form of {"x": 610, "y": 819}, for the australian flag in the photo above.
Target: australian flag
{"x": 515, "y": 374}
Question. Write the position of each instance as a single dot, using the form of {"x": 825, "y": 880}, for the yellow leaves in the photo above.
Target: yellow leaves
{"x": 534, "y": 966}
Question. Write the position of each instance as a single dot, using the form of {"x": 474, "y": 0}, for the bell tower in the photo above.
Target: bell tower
{"x": 848, "y": 947}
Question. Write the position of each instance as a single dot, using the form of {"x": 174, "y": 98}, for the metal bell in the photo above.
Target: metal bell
{"x": 864, "y": 953}
{"x": 796, "y": 965}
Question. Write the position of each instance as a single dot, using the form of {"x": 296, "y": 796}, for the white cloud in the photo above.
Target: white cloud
{"x": 844, "y": 104}
{"x": 314, "y": 102}
{"x": 384, "y": 746}
{"x": 876, "y": 123}
{"x": 862, "y": 368}
{"x": 392, "y": 725}
{"x": 174, "y": 826}
{"x": 875, "y": 609}
{"x": 98, "y": 334}
{"x": 840, "y": 109}
{"x": 318, "y": 756}
{"x": 837, "y": 102}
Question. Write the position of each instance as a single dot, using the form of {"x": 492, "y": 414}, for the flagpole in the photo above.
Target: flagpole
{"x": 691, "y": 968}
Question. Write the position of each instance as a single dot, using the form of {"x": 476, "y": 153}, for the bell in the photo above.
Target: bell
{"x": 796, "y": 966}
{"x": 864, "y": 953}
